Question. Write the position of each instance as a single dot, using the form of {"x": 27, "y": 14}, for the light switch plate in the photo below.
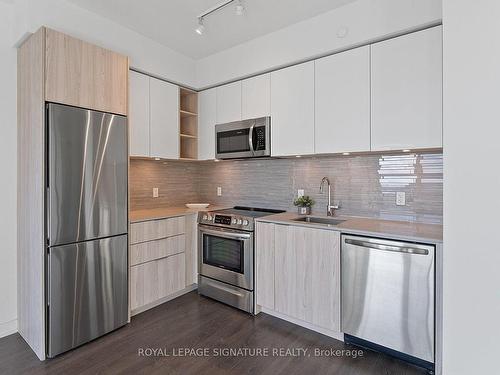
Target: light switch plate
{"x": 219, "y": 191}
{"x": 300, "y": 193}
{"x": 155, "y": 192}
{"x": 400, "y": 198}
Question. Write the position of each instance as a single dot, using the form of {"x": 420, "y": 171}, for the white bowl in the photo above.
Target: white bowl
{"x": 197, "y": 205}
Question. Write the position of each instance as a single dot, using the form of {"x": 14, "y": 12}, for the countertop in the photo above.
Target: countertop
{"x": 399, "y": 230}
{"x": 136, "y": 216}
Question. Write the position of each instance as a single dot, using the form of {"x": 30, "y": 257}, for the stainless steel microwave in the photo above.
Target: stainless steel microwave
{"x": 243, "y": 139}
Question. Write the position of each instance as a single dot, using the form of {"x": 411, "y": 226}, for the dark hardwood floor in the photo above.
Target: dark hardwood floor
{"x": 191, "y": 321}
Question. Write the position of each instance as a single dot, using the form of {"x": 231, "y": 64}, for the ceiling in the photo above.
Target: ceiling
{"x": 172, "y": 22}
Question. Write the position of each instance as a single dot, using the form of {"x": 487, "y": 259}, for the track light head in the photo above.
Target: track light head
{"x": 201, "y": 28}
{"x": 239, "y": 9}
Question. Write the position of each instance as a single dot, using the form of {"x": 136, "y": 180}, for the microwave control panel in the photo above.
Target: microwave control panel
{"x": 260, "y": 138}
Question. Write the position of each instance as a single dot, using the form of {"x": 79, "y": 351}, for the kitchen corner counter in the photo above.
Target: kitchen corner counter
{"x": 391, "y": 229}
{"x": 136, "y": 216}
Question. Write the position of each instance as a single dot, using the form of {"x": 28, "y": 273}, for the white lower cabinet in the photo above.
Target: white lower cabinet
{"x": 298, "y": 273}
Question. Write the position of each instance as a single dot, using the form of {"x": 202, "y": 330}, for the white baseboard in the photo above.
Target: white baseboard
{"x": 141, "y": 309}
{"x": 312, "y": 327}
{"x": 8, "y": 328}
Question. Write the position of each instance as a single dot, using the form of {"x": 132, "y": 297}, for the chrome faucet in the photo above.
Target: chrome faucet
{"x": 330, "y": 209}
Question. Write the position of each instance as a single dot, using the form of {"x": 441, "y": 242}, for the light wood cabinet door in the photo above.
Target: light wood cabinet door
{"x": 342, "y": 102}
{"x": 138, "y": 118}
{"x": 307, "y": 275}
{"x": 155, "y": 280}
{"x": 84, "y": 75}
{"x": 264, "y": 264}
{"x": 206, "y": 124}
{"x": 164, "y": 119}
{"x": 292, "y": 110}
{"x": 407, "y": 91}
{"x": 191, "y": 249}
{"x": 256, "y": 97}
{"x": 228, "y": 103}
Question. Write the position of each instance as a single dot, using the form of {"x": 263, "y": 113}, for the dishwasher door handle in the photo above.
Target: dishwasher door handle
{"x": 383, "y": 247}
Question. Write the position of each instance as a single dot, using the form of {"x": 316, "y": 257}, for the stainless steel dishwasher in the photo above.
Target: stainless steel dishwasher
{"x": 388, "y": 297}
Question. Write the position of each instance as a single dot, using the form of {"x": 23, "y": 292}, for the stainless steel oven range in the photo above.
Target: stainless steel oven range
{"x": 226, "y": 255}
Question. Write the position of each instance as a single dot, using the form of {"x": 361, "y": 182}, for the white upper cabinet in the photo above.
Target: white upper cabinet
{"x": 292, "y": 110}
{"x": 228, "y": 103}
{"x": 256, "y": 97}
{"x": 164, "y": 105}
{"x": 138, "y": 114}
{"x": 407, "y": 91}
{"x": 342, "y": 102}
{"x": 206, "y": 124}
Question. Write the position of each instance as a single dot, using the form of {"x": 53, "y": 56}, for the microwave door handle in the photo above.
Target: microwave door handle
{"x": 250, "y": 137}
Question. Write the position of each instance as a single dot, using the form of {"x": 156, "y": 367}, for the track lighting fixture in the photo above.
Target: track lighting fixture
{"x": 201, "y": 28}
{"x": 239, "y": 10}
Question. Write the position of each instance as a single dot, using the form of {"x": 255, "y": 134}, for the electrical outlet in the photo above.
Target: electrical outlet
{"x": 219, "y": 191}
{"x": 300, "y": 193}
{"x": 155, "y": 192}
{"x": 400, "y": 198}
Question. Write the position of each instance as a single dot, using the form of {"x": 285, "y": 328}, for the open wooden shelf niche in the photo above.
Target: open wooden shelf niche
{"x": 188, "y": 127}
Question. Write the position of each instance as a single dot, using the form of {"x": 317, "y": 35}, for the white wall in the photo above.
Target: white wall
{"x": 16, "y": 18}
{"x": 366, "y": 20}
{"x": 144, "y": 53}
{"x": 8, "y": 128}
{"x": 471, "y": 187}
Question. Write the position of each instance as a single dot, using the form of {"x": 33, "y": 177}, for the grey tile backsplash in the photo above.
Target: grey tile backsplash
{"x": 363, "y": 185}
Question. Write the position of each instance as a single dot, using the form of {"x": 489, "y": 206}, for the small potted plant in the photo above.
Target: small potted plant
{"x": 304, "y": 204}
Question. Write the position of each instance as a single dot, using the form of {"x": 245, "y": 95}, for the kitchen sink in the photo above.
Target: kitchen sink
{"x": 319, "y": 220}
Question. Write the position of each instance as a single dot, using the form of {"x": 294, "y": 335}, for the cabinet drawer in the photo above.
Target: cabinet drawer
{"x": 157, "y": 229}
{"x": 151, "y": 250}
{"x": 157, "y": 279}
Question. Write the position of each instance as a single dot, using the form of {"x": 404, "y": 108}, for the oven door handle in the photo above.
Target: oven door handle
{"x": 226, "y": 234}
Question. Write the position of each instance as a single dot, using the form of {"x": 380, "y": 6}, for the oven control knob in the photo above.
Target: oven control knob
{"x": 239, "y": 222}
{"x": 209, "y": 217}
{"x": 205, "y": 217}
{"x": 245, "y": 222}
{"x": 234, "y": 221}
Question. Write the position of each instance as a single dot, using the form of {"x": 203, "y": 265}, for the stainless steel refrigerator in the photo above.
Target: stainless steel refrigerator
{"x": 87, "y": 203}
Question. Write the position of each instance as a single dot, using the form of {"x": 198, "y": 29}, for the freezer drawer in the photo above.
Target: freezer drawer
{"x": 87, "y": 174}
{"x": 388, "y": 294}
{"x": 87, "y": 291}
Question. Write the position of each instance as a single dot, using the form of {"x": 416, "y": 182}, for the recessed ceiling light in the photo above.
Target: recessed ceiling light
{"x": 216, "y": 160}
{"x": 157, "y": 159}
{"x": 298, "y": 156}
{"x": 201, "y": 28}
{"x": 346, "y": 153}
{"x": 406, "y": 150}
